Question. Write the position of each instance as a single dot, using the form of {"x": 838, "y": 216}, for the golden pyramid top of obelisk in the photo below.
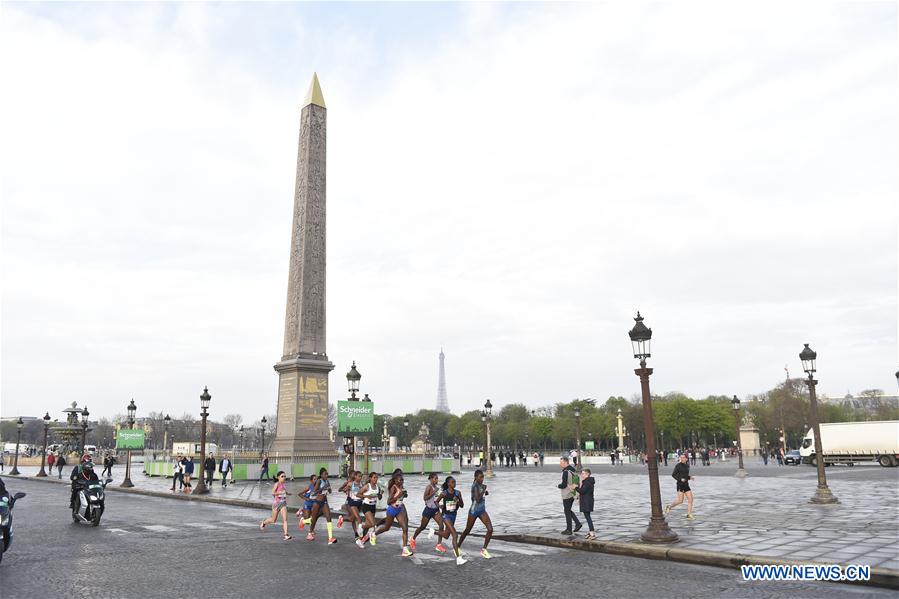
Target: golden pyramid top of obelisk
{"x": 314, "y": 95}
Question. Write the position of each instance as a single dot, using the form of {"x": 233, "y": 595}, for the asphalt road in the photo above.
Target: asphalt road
{"x": 154, "y": 547}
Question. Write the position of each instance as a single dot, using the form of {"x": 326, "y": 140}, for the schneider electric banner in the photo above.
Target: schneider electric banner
{"x": 355, "y": 418}
{"x": 130, "y": 438}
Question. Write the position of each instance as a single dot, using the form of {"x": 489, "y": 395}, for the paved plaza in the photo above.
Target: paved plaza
{"x": 155, "y": 547}
{"x": 766, "y": 514}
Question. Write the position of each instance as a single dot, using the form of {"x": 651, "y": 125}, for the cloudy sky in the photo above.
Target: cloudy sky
{"x": 510, "y": 182}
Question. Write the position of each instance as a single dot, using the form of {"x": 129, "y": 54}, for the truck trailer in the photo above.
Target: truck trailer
{"x": 851, "y": 442}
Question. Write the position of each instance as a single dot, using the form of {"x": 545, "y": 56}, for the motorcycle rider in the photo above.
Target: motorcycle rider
{"x": 82, "y": 475}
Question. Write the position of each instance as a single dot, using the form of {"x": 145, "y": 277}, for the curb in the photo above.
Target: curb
{"x": 881, "y": 577}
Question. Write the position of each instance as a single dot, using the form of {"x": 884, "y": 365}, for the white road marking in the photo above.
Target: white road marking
{"x": 118, "y": 531}
{"x": 159, "y": 528}
{"x": 202, "y": 525}
{"x": 244, "y": 523}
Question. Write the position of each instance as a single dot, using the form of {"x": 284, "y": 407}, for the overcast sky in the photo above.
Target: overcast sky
{"x": 510, "y": 182}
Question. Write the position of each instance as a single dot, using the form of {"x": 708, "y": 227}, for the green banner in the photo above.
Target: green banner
{"x": 588, "y": 444}
{"x": 355, "y": 418}
{"x": 130, "y": 438}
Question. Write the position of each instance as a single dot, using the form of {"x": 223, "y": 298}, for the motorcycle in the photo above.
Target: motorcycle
{"x": 6, "y": 505}
{"x": 90, "y": 501}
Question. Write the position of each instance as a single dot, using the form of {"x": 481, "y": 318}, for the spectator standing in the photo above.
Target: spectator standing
{"x": 541, "y": 458}
{"x": 51, "y": 459}
{"x": 209, "y": 467}
{"x": 585, "y": 501}
{"x": 60, "y": 464}
{"x": 567, "y": 487}
{"x": 263, "y": 471}
{"x": 3, "y": 463}
{"x": 178, "y": 473}
{"x": 188, "y": 472}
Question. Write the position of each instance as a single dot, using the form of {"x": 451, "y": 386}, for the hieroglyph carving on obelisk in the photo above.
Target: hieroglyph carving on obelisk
{"x": 303, "y": 370}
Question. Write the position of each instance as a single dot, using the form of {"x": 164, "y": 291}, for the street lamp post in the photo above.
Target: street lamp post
{"x": 132, "y": 410}
{"x": 741, "y": 472}
{"x": 577, "y": 420}
{"x": 822, "y": 493}
{"x": 205, "y": 398}
{"x": 166, "y": 424}
{"x": 405, "y": 428}
{"x": 15, "y": 466}
{"x": 620, "y": 431}
{"x": 242, "y": 431}
{"x": 352, "y": 379}
{"x": 84, "y": 415}
{"x": 365, "y": 438}
{"x": 44, "y": 453}
{"x": 658, "y": 530}
{"x": 385, "y": 437}
{"x": 262, "y": 433}
{"x": 488, "y": 412}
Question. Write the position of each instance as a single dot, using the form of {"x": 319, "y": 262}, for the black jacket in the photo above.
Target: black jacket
{"x": 585, "y": 490}
{"x": 681, "y": 471}
{"x": 209, "y": 464}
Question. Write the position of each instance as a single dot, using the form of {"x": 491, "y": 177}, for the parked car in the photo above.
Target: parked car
{"x": 793, "y": 457}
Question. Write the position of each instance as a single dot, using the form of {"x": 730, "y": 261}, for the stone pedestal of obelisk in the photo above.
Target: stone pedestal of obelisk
{"x": 304, "y": 366}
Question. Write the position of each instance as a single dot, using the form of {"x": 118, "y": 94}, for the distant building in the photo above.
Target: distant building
{"x": 442, "y": 402}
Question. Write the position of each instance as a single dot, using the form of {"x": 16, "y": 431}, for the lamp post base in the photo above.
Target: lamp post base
{"x": 41, "y": 474}
{"x": 127, "y": 483}
{"x": 823, "y": 496}
{"x": 658, "y": 532}
{"x": 741, "y": 473}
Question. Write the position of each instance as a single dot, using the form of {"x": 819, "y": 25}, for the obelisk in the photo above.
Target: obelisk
{"x": 304, "y": 366}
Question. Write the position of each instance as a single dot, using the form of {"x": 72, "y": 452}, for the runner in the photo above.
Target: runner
{"x": 682, "y": 475}
{"x": 450, "y": 500}
{"x": 305, "y": 514}
{"x": 370, "y": 494}
{"x": 320, "y": 506}
{"x": 353, "y": 487}
{"x": 431, "y": 512}
{"x": 279, "y": 504}
{"x": 396, "y": 510}
{"x": 478, "y": 511}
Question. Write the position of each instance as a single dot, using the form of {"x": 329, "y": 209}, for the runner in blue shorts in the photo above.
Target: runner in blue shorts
{"x": 431, "y": 512}
{"x": 478, "y": 511}
{"x": 305, "y": 514}
{"x": 450, "y": 500}
{"x": 320, "y": 506}
{"x": 396, "y": 494}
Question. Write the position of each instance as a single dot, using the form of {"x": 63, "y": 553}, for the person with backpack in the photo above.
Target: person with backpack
{"x": 60, "y": 464}
{"x": 568, "y": 488}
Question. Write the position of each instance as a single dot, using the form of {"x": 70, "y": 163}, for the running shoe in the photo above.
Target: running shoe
{"x": 406, "y": 552}
{"x": 485, "y": 554}
{"x": 439, "y": 547}
{"x": 262, "y": 525}
{"x": 430, "y": 533}
{"x": 331, "y": 541}
{"x": 461, "y": 560}
{"x": 667, "y": 509}
{"x": 691, "y": 517}
{"x": 412, "y": 544}
{"x": 374, "y": 539}
{"x": 310, "y": 536}
{"x": 287, "y": 537}
{"x": 302, "y": 523}
{"x": 340, "y": 521}
{"x": 360, "y": 543}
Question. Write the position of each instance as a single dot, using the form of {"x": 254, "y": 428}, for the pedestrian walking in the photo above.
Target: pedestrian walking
{"x": 112, "y": 462}
{"x": 536, "y": 458}
{"x": 478, "y": 511}
{"x": 60, "y": 464}
{"x": 780, "y": 456}
{"x": 541, "y": 459}
{"x": 209, "y": 467}
{"x": 263, "y": 471}
{"x": 178, "y": 473}
{"x": 568, "y": 486}
{"x": 612, "y": 457}
{"x": 585, "y": 499}
{"x": 682, "y": 475}
{"x": 226, "y": 470}
{"x": 279, "y": 504}
{"x": 3, "y": 462}
{"x": 188, "y": 472}
{"x": 51, "y": 459}
{"x": 765, "y": 457}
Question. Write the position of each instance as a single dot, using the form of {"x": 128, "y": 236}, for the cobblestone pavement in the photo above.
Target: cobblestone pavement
{"x": 151, "y": 547}
{"x": 765, "y": 514}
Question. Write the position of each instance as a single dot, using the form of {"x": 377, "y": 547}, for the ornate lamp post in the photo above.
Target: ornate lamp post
{"x": 822, "y": 494}
{"x": 365, "y": 439}
{"x": 15, "y": 466}
{"x": 385, "y": 437}
{"x": 657, "y": 531}
{"x": 242, "y": 432}
{"x": 488, "y": 416}
{"x": 205, "y": 398}
{"x": 577, "y": 420}
{"x": 352, "y": 379}
{"x": 44, "y": 452}
{"x": 741, "y": 472}
{"x": 405, "y": 428}
{"x": 262, "y": 433}
{"x": 166, "y": 425}
{"x": 620, "y": 430}
{"x": 132, "y": 410}
{"x": 84, "y": 415}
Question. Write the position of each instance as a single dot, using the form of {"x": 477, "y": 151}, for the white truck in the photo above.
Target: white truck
{"x": 192, "y": 448}
{"x": 850, "y": 442}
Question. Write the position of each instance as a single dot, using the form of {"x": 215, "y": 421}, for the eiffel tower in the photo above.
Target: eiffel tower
{"x": 442, "y": 403}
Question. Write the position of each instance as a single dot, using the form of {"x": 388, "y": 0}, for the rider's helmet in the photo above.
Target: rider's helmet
{"x": 88, "y": 465}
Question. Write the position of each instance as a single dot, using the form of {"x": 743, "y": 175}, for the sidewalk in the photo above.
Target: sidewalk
{"x": 768, "y": 518}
